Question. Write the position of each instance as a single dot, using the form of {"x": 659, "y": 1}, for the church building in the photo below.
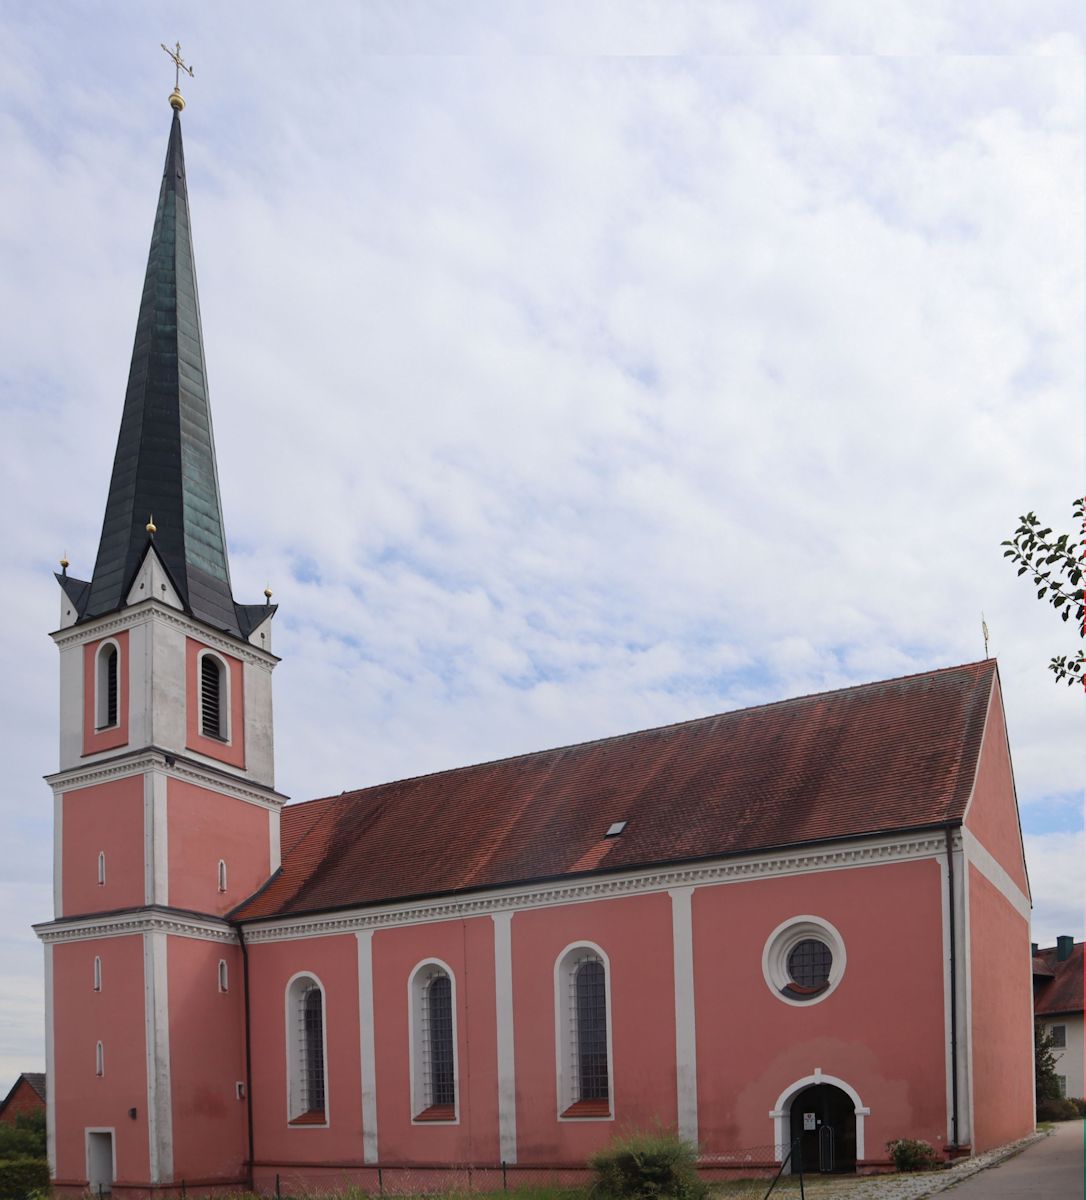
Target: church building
{"x": 801, "y": 923}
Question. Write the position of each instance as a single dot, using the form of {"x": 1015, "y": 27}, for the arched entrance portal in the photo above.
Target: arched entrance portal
{"x": 823, "y": 1119}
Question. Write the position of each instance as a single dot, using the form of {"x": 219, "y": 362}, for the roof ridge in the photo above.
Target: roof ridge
{"x": 619, "y": 737}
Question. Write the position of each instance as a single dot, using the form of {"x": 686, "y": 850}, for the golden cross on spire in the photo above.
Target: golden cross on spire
{"x": 176, "y": 99}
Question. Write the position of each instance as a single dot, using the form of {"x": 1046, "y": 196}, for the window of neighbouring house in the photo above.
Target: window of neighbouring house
{"x": 1059, "y": 1036}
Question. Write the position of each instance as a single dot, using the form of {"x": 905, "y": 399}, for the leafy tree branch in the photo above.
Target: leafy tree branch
{"x": 1055, "y": 565}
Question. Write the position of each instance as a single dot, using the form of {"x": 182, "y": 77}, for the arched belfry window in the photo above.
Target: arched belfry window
{"x": 583, "y": 1033}
{"x": 433, "y": 1043}
{"x": 107, "y": 686}
{"x": 214, "y": 701}
{"x": 306, "y": 1052}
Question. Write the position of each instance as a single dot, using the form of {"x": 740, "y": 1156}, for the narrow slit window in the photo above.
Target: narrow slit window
{"x": 101, "y": 868}
{"x": 224, "y": 978}
{"x": 97, "y": 973}
{"x": 99, "y": 1060}
{"x": 222, "y": 875}
{"x": 212, "y": 698}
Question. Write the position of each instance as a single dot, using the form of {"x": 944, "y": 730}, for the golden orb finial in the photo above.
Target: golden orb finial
{"x": 152, "y": 528}
{"x": 64, "y": 563}
{"x": 177, "y": 101}
{"x": 267, "y": 595}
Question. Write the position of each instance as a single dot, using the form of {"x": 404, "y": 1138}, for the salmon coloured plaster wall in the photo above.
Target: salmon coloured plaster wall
{"x": 467, "y": 948}
{"x": 333, "y": 961}
{"x": 207, "y": 1060}
{"x": 115, "y": 1017}
{"x": 635, "y": 934}
{"x": 1002, "y": 1015}
{"x": 992, "y": 815}
{"x": 102, "y": 818}
{"x": 204, "y": 827}
{"x": 752, "y": 1047}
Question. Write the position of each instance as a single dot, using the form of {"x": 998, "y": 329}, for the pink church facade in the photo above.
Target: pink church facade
{"x": 805, "y": 924}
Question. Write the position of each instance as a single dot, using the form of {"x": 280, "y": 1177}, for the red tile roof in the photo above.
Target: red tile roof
{"x": 1062, "y": 993}
{"x": 871, "y": 759}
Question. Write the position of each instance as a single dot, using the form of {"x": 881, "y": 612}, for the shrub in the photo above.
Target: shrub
{"x": 21, "y": 1176}
{"x": 1080, "y": 1104}
{"x": 647, "y": 1165}
{"x": 24, "y": 1139}
{"x": 1057, "y": 1110}
{"x": 912, "y": 1154}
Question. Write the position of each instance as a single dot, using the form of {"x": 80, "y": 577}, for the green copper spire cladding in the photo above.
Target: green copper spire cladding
{"x": 165, "y": 460}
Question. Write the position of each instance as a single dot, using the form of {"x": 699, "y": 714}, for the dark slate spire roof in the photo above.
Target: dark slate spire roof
{"x": 165, "y": 460}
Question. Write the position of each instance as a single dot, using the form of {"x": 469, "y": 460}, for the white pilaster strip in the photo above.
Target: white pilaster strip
{"x": 965, "y": 976}
{"x": 58, "y": 855}
{"x": 686, "y": 1061}
{"x": 944, "y": 910}
{"x": 503, "y": 995}
{"x": 50, "y": 1068}
{"x": 368, "y": 1044}
{"x": 161, "y": 841}
{"x": 157, "y": 1031}
{"x": 149, "y": 838}
{"x": 977, "y": 854}
{"x": 275, "y": 853}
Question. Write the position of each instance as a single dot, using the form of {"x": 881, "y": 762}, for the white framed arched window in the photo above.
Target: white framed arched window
{"x": 213, "y": 696}
{"x": 224, "y": 976}
{"x": 434, "y": 1061}
{"x": 222, "y": 875}
{"x": 101, "y": 868}
{"x": 97, "y": 973}
{"x": 99, "y": 1060}
{"x": 582, "y": 1033}
{"x": 307, "y": 1051}
{"x": 107, "y": 685}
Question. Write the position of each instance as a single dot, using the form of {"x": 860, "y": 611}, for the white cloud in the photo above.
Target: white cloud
{"x": 560, "y": 393}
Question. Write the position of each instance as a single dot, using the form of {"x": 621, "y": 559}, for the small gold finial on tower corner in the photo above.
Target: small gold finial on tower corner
{"x": 64, "y": 563}
{"x": 177, "y": 101}
{"x": 151, "y": 527}
{"x": 267, "y": 595}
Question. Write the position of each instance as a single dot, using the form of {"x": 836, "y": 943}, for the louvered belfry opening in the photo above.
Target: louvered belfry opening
{"x": 111, "y": 686}
{"x": 211, "y": 698}
{"x": 439, "y": 1042}
{"x": 313, "y": 1051}
{"x": 590, "y": 1016}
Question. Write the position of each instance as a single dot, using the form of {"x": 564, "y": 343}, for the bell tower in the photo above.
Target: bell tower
{"x": 165, "y": 810}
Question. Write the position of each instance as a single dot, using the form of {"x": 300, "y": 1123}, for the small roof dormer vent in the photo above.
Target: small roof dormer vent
{"x": 615, "y": 828}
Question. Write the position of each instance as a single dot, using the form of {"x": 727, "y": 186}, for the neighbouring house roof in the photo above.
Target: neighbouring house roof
{"x": 876, "y": 758}
{"x": 1062, "y": 992}
{"x": 34, "y": 1079}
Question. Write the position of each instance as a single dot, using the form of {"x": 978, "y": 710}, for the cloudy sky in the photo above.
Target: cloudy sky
{"x": 576, "y": 367}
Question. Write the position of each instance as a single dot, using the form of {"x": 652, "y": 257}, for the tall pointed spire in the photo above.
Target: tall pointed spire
{"x": 164, "y": 466}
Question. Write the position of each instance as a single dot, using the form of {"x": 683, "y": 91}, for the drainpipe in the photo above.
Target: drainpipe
{"x": 953, "y": 990}
{"x": 248, "y": 1049}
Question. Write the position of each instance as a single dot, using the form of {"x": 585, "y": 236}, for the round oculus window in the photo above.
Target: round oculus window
{"x": 808, "y": 966}
{"x": 803, "y": 960}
